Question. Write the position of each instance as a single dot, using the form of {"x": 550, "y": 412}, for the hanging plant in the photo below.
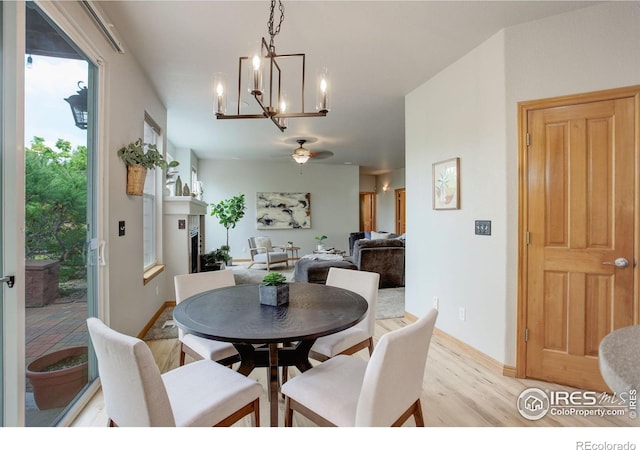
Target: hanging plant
{"x": 139, "y": 157}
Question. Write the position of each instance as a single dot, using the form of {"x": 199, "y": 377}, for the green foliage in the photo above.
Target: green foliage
{"x": 320, "y": 239}
{"x": 135, "y": 153}
{"x": 274, "y": 279}
{"x": 229, "y": 212}
{"x": 216, "y": 255}
{"x": 56, "y": 204}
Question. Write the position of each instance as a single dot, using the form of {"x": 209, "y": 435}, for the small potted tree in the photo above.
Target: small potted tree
{"x": 139, "y": 157}
{"x": 229, "y": 212}
{"x": 274, "y": 290}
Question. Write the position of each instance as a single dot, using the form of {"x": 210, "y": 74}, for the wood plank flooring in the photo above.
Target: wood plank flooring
{"x": 459, "y": 391}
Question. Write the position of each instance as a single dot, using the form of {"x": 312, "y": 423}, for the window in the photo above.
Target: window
{"x": 149, "y": 199}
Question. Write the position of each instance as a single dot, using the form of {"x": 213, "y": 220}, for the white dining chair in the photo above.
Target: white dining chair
{"x": 136, "y": 394}
{"x": 190, "y": 284}
{"x": 359, "y": 336}
{"x": 347, "y": 391}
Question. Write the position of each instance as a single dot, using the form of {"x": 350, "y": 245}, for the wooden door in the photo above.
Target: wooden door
{"x": 401, "y": 225}
{"x": 367, "y": 211}
{"x": 581, "y": 203}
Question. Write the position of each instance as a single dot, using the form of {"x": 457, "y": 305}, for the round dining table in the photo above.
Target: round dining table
{"x": 270, "y": 336}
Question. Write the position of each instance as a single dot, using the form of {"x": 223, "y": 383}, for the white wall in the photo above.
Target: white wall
{"x": 385, "y": 201}
{"x": 127, "y": 94}
{"x": 459, "y": 113}
{"x": 334, "y": 201}
{"x": 470, "y": 110}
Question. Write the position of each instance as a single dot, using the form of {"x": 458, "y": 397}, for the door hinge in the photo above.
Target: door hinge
{"x": 527, "y": 238}
{"x": 526, "y": 334}
{"x": 528, "y": 137}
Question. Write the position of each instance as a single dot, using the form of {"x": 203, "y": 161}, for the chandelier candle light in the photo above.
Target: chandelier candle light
{"x": 265, "y": 62}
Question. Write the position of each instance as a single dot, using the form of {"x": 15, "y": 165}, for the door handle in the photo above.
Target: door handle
{"x": 620, "y": 263}
{"x": 10, "y": 280}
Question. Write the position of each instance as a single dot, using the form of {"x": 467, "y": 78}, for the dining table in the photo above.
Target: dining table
{"x": 270, "y": 336}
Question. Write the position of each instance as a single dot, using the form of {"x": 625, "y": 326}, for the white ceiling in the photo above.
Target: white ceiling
{"x": 377, "y": 52}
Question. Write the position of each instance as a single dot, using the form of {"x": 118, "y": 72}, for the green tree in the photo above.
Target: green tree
{"x": 56, "y": 203}
{"x": 229, "y": 212}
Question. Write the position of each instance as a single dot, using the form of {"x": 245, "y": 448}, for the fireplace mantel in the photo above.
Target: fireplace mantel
{"x": 188, "y": 206}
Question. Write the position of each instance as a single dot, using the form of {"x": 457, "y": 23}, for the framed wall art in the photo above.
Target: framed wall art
{"x": 446, "y": 184}
{"x": 283, "y": 210}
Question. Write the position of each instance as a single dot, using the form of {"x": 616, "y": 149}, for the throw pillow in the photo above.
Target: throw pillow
{"x": 263, "y": 242}
{"x": 367, "y": 234}
{"x": 379, "y": 235}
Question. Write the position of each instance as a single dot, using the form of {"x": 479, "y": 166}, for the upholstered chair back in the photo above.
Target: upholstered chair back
{"x": 394, "y": 376}
{"x": 134, "y": 393}
{"x": 363, "y": 283}
{"x": 190, "y": 284}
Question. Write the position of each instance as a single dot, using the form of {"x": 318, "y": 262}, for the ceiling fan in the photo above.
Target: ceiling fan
{"x": 301, "y": 154}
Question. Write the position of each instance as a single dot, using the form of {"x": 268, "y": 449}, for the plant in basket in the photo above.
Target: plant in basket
{"x": 139, "y": 157}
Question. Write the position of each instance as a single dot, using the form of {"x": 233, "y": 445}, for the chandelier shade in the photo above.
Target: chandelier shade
{"x": 264, "y": 79}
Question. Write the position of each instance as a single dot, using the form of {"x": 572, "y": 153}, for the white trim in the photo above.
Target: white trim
{"x": 13, "y": 326}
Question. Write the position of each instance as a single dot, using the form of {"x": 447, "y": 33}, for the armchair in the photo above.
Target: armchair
{"x": 263, "y": 252}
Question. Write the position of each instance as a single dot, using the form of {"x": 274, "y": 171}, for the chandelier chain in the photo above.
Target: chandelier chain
{"x": 273, "y": 33}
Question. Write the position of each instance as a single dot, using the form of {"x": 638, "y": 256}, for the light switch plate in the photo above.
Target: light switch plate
{"x": 483, "y": 227}
{"x": 121, "y": 228}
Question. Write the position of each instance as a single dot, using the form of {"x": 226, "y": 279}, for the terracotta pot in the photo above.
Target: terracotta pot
{"x": 56, "y": 388}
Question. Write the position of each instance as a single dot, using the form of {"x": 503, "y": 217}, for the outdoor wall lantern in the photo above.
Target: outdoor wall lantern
{"x": 78, "y": 104}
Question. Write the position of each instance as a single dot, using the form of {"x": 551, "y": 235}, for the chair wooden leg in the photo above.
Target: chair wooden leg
{"x": 288, "y": 413}
{"x": 370, "y": 345}
{"x": 417, "y": 414}
{"x": 255, "y": 417}
{"x": 182, "y": 355}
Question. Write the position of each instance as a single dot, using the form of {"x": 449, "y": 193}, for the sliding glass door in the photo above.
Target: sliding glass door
{"x": 48, "y": 207}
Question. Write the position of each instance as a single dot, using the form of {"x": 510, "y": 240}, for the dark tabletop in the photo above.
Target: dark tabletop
{"x": 234, "y": 314}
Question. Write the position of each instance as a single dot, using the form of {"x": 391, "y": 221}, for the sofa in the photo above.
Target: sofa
{"x": 383, "y": 256}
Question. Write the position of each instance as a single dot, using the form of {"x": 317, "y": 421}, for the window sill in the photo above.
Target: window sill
{"x": 152, "y": 272}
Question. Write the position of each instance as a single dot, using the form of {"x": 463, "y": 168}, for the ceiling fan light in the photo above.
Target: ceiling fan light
{"x": 301, "y": 158}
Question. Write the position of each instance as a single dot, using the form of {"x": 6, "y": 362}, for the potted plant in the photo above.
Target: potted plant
{"x": 139, "y": 157}
{"x": 214, "y": 260}
{"x": 57, "y": 377}
{"x": 229, "y": 212}
{"x": 274, "y": 290}
{"x": 320, "y": 240}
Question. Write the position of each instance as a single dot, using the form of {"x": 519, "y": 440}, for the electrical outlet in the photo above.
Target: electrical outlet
{"x": 436, "y": 302}
{"x": 462, "y": 314}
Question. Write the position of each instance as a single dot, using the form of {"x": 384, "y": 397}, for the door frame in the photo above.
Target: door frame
{"x": 523, "y": 110}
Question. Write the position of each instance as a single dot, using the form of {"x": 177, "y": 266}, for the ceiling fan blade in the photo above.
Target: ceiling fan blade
{"x": 322, "y": 154}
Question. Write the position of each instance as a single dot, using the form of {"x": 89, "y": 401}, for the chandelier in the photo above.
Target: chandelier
{"x": 270, "y": 96}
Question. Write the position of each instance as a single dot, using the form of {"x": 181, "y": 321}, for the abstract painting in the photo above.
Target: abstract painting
{"x": 283, "y": 210}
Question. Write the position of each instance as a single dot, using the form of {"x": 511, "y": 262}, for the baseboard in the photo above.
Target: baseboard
{"x": 155, "y": 317}
{"x": 477, "y": 355}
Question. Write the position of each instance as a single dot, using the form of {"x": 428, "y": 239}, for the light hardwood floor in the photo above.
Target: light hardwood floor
{"x": 459, "y": 391}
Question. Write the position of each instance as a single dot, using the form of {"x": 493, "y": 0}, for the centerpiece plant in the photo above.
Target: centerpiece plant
{"x": 274, "y": 290}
